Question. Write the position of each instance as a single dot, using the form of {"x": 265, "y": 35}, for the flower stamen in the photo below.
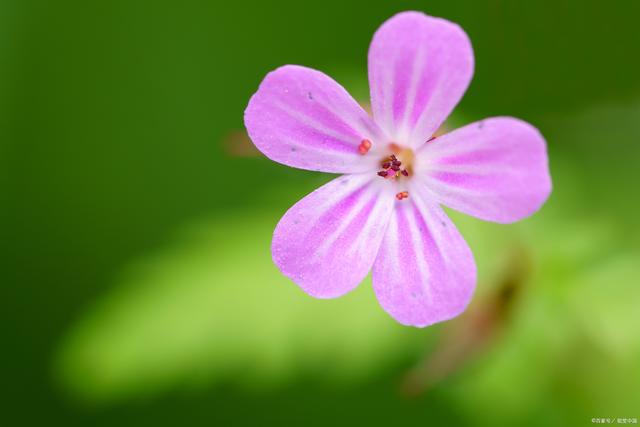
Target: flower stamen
{"x": 364, "y": 146}
{"x": 402, "y": 195}
{"x": 391, "y": 168}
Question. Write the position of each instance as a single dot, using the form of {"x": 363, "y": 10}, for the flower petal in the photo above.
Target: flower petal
{"x": 496, "y": 169}
{"x": 302, "y": 118}
{"x": 424, "y": 272}
{"x": 327, "y": 242}
{"x": 419, "y": 68}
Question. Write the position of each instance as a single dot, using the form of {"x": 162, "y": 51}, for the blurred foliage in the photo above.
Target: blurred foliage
{"x": 215, "y": 309}
{"x": 112, "y": 117}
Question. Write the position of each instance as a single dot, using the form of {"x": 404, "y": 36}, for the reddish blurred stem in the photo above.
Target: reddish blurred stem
{"x": 468, "y": 336}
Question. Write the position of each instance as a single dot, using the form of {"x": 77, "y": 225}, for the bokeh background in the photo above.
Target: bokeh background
{"x": 137, "y": 284}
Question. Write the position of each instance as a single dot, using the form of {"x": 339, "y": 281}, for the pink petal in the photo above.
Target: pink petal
{"x": 327, "y": 242}
{"x": 424, "y": 272}
{"x": 419, "y": 68}
{"x": 496, "y": 169}
{"x": 302, "y": 118}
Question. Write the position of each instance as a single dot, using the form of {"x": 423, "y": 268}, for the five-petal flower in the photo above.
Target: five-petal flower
{"x": 385, "y": 213}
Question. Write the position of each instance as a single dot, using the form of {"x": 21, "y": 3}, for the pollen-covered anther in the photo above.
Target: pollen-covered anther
{"x": 364, "y": 146}
{"x": 402, "y": 195}
{"x": 391, "y": 168}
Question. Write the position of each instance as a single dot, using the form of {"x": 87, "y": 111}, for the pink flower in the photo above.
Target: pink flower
{"x": 384, "y": 212}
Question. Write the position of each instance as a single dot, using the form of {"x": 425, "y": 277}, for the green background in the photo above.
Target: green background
{"x": 137, "y": 285}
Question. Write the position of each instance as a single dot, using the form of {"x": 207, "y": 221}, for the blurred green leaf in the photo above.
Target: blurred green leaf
{"x": 572, "y": 342}
{"x": 605, "y": 303}
{"x": 215, "y": 309}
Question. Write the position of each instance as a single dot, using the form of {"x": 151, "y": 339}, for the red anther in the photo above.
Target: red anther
{"x": 402, "y": 195}
{"x": 364, "y": 146}
{"x": 389, "y": 174}
{"x": 395, "y": 167}
{"x": 382, "y": 174}
{"x": 404, "y": 172}
{"x": 393, "y": 158}
{"x": 386, "y": 165}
